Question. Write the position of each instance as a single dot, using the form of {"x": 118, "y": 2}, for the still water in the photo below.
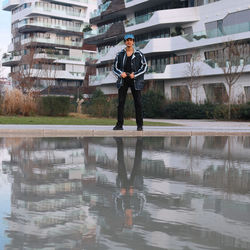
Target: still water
{"x": 125, "y": 193}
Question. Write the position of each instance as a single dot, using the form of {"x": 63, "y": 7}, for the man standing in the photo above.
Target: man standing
{"x": 129, "y": 66}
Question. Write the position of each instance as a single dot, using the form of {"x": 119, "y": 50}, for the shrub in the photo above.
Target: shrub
{"x": 244, "y": 111}
{"x": 98, "y": 104}
{"x": 153, "y": 104}
{"x": 129, "y": 109}
{"x": 188, "y": 110}
{"x": 221, "y": 112}
{"x": 17, "y": 103}
{"x": 55, "y": 105}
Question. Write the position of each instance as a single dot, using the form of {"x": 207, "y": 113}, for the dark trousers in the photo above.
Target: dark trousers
{"x": 122, "y": 93}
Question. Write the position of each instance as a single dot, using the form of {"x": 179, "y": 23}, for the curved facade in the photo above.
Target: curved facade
{"x": 177, "y": 36}
{"x": 47, "y": 43}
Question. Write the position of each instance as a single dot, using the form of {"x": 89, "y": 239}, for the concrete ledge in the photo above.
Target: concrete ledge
{"x": 108, "y": 132}
{"x": 182, "y": 128}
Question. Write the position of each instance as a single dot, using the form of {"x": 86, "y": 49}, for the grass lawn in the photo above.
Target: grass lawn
{"x": 72, "y": 119}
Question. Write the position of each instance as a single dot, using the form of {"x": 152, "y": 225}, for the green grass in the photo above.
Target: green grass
{"x": 35, "y": 120}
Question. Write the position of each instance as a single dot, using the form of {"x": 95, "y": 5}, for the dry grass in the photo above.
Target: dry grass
{"x": 17, "y": 103}
{"x": 78, "y": 115}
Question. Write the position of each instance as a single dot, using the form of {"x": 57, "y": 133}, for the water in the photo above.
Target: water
{"x": 125, "y": 193}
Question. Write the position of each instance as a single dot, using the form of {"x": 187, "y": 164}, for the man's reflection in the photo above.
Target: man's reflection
{"x": 129, "y": 201}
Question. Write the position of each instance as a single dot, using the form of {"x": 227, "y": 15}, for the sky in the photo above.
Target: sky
{"x": 5, "y": 32}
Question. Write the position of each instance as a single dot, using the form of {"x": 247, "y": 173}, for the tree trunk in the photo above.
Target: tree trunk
{"x": 229, "y": 101}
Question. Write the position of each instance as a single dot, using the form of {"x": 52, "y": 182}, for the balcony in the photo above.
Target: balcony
{"x": 10, "y": 60}
{"x": 52, "y": 41}
{"x": 96, "y": 80}
{"x": 30, "y": 25}
{"x": 40, "y": 9}
{"x": 139, "y": 19}
{"x": 215, "y": 33}
{"x": 131, "y": 3}
{"x": 112, "y": 31}
{"x": 165, "y": 18}
{"x": 57, "y": 57}
{"x": 156, "y": 69}
{"x": 104, "y": 78}
{"x": 82, "y": 3}
{"x": 97, "y": 32}
{"x": 78, "y": 60}
{"x": 101, "y": 8}
{"x": 229, "y": 30}
{"x": 9, "y": 4}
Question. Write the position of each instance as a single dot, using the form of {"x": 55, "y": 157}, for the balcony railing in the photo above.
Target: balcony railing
{"x": 11, "y": 58}
{"x": 156, "y": 69}
{"x": 96, "y": 32}
{"x": 229, "y": 30}
{"x": 141, "y": 44}
{"x": 49, "y": 25}
{"x": 79, "y": 1}
{"x": 54, "y": 11}
{"x": 98, "y": 78}
{"x": 101, "y": 8}
{"x": 8, "y": 3}
{"x": 139, "y": 19}
{"x": 56, "y": 56}
{"x": 225, "y": 31}
{"x": 51, "y": 41}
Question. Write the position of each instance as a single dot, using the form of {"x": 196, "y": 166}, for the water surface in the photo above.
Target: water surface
{"x": 125, "y": 193}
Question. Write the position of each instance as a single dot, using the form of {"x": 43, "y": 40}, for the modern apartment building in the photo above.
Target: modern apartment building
{"x": 181, "y": 41}
{"x": 46, "y": 47}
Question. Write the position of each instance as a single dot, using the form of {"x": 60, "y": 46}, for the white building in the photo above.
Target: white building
{"x": 47, "y": 41}
{"x": 170, "y": 33}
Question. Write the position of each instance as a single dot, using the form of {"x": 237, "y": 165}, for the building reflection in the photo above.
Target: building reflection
{"x": 75, "y": 193}
{"x": 47, "y": 205}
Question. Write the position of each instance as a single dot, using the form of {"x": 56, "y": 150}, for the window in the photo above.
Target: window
{"x": 216, "y": 93}
{"x": 180, "y": 93}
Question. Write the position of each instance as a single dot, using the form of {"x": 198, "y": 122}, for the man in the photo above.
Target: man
{"x": 130, "y": 199}
{"x": 129, "y": 66}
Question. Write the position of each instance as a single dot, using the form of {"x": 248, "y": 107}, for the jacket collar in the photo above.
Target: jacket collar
{"x": 133, "y": 55}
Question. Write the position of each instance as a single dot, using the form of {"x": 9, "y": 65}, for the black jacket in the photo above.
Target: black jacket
{"x": 138, "y": 64}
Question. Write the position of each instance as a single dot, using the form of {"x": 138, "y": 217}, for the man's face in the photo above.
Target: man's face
{"x": 129, "y": 42}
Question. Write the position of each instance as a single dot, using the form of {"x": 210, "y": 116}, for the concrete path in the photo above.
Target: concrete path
{"x": 182, "y": 128}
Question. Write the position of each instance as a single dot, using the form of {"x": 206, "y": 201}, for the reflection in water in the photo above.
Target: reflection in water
{"x": 129, "y": 201}
{"x": 127, "y": 193}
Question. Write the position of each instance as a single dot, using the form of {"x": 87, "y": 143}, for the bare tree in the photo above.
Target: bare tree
{"x": 232, "y": 58}
{"x": 28, "y": 70}
{"x": 49, "y": 72}
{"x": 193, "y": 72}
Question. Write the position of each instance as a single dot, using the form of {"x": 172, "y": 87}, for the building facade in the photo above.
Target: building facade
{"x": 46, "y": 47}
{"x": 183, "y": 42}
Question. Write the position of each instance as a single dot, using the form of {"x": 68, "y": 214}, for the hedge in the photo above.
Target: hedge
{"x": 156, "y": 106}
{"x": 55, "y": 105}
{"x": 188, "y": 110}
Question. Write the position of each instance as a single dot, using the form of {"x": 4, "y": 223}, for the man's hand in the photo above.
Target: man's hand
{"x": 123, "y": 75}
{"x": 132, "y": 75}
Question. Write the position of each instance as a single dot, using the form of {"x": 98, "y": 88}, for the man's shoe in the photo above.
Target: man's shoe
{"x": 117, "y": 127}
{"x": 139, "y": 128}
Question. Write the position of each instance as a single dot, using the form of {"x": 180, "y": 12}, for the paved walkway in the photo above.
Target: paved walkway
{"x": 182, "y": 128}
